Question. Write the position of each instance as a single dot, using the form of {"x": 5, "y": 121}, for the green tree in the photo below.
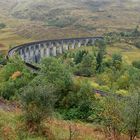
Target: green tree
{"x": 87, "y": 67}
{"x": 14, "y": 76}
{"x": 136, "y": 64}
{"x": 79, "y": 56}
{"x": 112, "y": 116}
{"x": 100, "y": 55}
{"x": 132, "y": 114}
{"x": 137, "y": 44}
{"x": 54, "y": 72}
{"x": 2, "y": 25}
{"x": 123, "y": 81}
{"x": 117, "y": 61}
{"x": 37, "y": 104}
{"x": 86, "y": 98}
{"x": 1, "y": 57}
{"x": 134, "y": 76}
{"x": 136, "y": 31}
{"x": 78, "y": 104}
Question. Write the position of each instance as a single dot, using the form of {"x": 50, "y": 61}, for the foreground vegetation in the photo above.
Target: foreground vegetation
{"x": 61, "y": 100}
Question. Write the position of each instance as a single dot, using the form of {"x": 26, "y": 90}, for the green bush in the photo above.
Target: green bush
{"x": 87, "y": 67}
{"x": 2, "y": 25}
{"x": 37, "y": 103}
{"x": 112, "y": 116}
{"x": 78, "y": 104}
{"x": 13, "y": 77}
{"x": 104, "y": 88}
{"x": 79, "y": 56}
{"x": 137, "y": 44}
{"x": 136, "y": 64}
{"x": 1, "y": 56}
{"x": 122, "y": 92}
{"x": 101, "y": 44}
{"x": 56, "y": 73}
{"x": 61, "y": 22}
{"x": 117, "y": 61}
{"x": 2, "y": 59}
{"x": 134, "y": 77}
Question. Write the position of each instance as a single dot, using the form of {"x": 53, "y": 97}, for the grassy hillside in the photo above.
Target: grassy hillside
{"x": 28, "y": 20}
{"x": 58, "y": 129}
{"x": 81, "y": 14}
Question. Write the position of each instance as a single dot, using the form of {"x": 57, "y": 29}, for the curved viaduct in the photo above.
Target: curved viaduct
{"x": 33, "y": 52}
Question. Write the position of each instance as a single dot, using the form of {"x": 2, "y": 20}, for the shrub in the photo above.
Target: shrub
{"x": 101, "y": 44}
{"x": 37, "y": 103}
{"x": 117, "y": 61}
{"x": 104, "y": 88}
{"x": 137, "y": 44}
{"x": 2, "y": 25}
{"x": 79, "y": 56}
{"x": 78, "y": 104}
{"x": 54, "y": 72}
{"x": 122, "y": 92}
{"x": 87, "y": 66}
{"x": 134, "y": 75}
{"x": 136, "y": 64}
{"x": 112, "y": 116}
{"x": 61, "y": 22}
{"x": 132, "y": 114}
{"x": 123, "y": 81}
{"x": 13, "y": 77}
{"x": 95, "y": 85}
{"x": 1, "y": 56}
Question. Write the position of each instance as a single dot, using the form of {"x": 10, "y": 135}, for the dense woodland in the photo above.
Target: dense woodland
{"x": 63, "y": 90}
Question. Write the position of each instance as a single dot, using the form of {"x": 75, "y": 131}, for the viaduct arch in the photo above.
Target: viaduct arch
{"x": 33, "y": 52}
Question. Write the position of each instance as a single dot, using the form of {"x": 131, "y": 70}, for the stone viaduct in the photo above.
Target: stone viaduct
{"x": 35, "y": 51}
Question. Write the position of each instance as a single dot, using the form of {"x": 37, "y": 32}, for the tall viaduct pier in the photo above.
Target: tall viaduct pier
{"x": 33, "y": 52}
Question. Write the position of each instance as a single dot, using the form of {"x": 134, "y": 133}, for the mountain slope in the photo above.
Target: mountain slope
{"x": 48, "y": 19}
{"x": 77, "y": 13}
